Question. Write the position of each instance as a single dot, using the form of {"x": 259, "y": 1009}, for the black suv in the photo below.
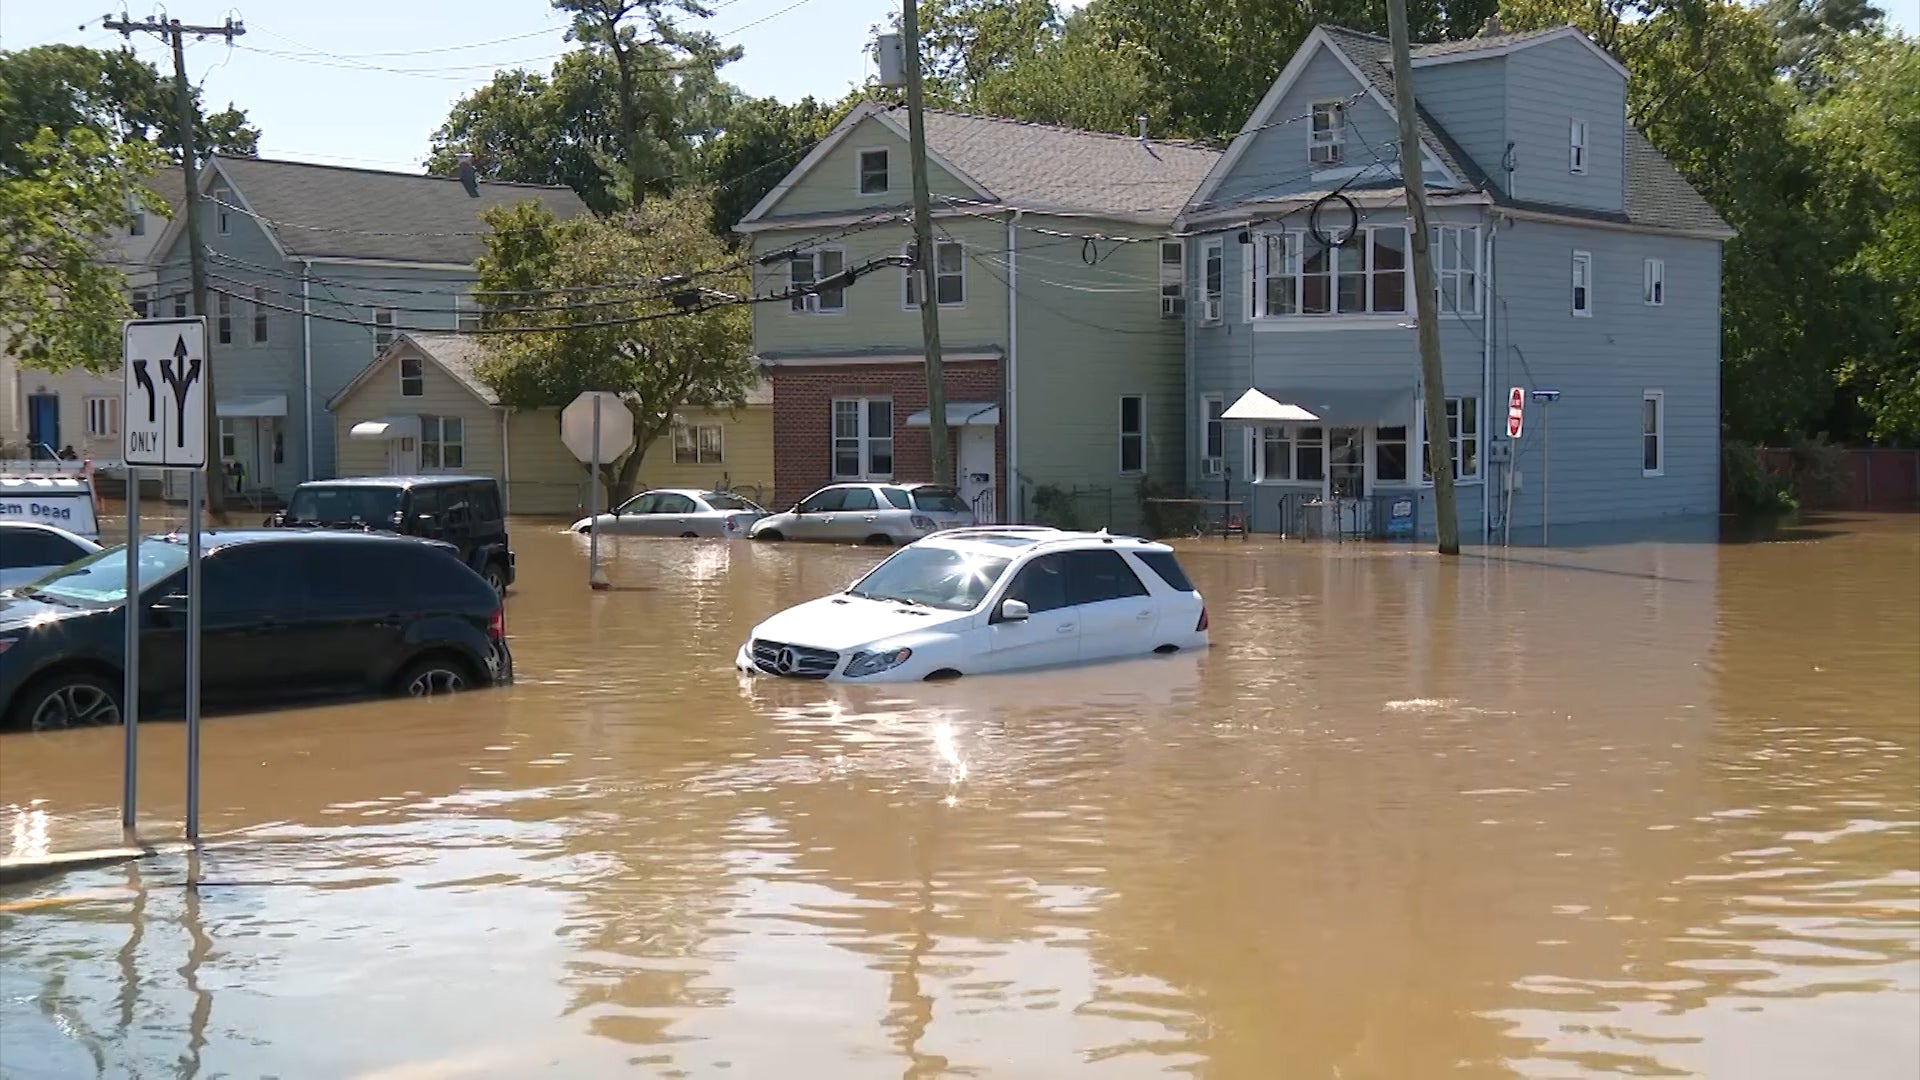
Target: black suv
{"x": 464, "y": 511}
{"x": 285, "y": 614}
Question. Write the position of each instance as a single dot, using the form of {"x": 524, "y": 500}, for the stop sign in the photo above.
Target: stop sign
{"x": 616, "y": 427}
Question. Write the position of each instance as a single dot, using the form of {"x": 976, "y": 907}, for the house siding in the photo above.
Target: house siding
{"x": 1548, "y": 86}
{"x": 1469, "y": 100}
{"x": 441, "y": 395}
{"x": 1087, "y": 335}
{"x": 1275, "y": 163}
{"x": 1603, "y": 364}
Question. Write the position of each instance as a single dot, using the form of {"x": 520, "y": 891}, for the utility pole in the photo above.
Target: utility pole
{"x": 1426, "y": 305}
{"x": 925, "y": 258}
{"x": 184, "y": 127}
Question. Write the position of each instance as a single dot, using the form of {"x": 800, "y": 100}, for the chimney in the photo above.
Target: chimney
{"x": 467, "y": 178}
{"x": 1142, "y": 118}
{"x": 1492, "y": 27}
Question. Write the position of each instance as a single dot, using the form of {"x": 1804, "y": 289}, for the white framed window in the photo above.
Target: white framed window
{"x": 1213, "y": 435}
{"x": 442, "y": 442}
{"x": 873, "y": 178}
{"x": 1133, "y": 434}
{"x": 413, "y": 378}
{"x": 382, "y": 328}
{"x": 179, "y": 305}
{"x": 260, "y": 311}
{"x": 950, "y": 275}
{"x": 223, "y": 325}
{"x": 1456, "y": 267}
{"x": 1327, "y": 139}
{"x": 807, "y": 267}
{"x": 1365, "y": 275}
{"x": 1582, "y": 283}
{"x": 229, "y": 441}
{"x": 697, "y": 444}
{"x": 1577, "y": 147}
{"x": 1653, "y": 433}
{"x": 142, "y": 303}
{"x": 1213, "y": 280}
{"x": 1173, "y": 279}
{"x": 1653, "y": 283}
{"x": 1463, "y": 439}
{"x": 863, "y": 438}
{"x": 466, "y": 313}
{"x": 103, "y": 417}
{"x": 1291, "y": 452}
{"x": 222, "y": 215}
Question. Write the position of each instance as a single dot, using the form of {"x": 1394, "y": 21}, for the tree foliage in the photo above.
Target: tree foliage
{"x": 114, "y": 94}
{"x": 63, "y": 301}
{"x": 759, "y": 141}
{"x": 599, "y": 287}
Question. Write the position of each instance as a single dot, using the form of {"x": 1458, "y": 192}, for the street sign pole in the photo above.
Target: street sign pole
{"x": 164, "y": 413}
{"x": 130, "y": 677}
{"x": 1546, "y": 398}
{"x": 196, "y": 491}
{"x": 595, "y": 579}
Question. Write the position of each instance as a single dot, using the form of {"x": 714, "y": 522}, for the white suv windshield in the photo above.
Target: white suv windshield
{"x": 934, "y": 576}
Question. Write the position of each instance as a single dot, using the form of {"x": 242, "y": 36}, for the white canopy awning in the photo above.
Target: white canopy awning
{"x": 961, "y": 414}
{"x": 387, "y": 427}
{"x": 264, "y": 405}
{"x": 1258, "y": 408}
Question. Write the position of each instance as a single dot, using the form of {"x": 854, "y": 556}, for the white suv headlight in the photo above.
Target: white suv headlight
{"x": 873, "y": 663}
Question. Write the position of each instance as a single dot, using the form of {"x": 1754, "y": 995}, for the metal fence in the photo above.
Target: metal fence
{"x": 1396, "y": 516}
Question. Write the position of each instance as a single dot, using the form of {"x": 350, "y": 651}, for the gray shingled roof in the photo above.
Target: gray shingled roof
{"x": 1041, "y": 166}
{"x": 330, "y": 211}
{"x": 1656, "y": 195}
{"x": 1474, "y": 44}
{"x": 460, "y": 354}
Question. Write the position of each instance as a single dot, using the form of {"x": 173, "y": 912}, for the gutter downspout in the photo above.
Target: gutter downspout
{"x": 1007, "y": 513}
{"x": 506, "y": 463}
{"x": 1488, "y": 322}
{"x": 306, "y": 363}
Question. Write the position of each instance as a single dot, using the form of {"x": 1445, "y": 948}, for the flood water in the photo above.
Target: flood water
{"x": 1648, "y": 810}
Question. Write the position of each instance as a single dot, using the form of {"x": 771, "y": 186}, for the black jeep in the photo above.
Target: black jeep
{"x": 464, "y": 511}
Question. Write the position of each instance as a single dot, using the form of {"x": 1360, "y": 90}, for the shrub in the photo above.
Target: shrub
{"x": 1752, "y": 488}
{"x": 1054, "y": 506}
{"x": 1819, "y": 470}
{"x": 1162, "y": 520}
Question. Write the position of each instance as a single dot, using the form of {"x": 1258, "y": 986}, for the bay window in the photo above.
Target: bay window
{"x": 1366, "y": 274}
{"x": 1456, "y": 267}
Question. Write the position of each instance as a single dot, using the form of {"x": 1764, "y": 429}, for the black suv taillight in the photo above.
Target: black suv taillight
{"x": 497, "y": 624}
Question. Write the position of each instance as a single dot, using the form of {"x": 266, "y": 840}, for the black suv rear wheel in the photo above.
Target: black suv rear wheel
{"x": 496, "y": 575}
{"x": 435, "y": 675}
{"x": 67, "y": 700}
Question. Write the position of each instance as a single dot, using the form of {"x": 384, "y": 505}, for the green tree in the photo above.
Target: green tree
{"x": 611, "y": 299}
{"x": 1079, "y": 79}
{"x": 1863, "y": 126}
{"x": 759, "y": 143}
{"x": 1810, "y": 32}
{"x": 114, "y": 94}
{"x": 62, "y": 301}
{"x": 539, "y": 129}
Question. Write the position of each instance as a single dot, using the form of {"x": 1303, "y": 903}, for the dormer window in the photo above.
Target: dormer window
{"x": 873, "y": 172}
{"x": 1327, "y": 141}
{"x": 1577, "y": 148}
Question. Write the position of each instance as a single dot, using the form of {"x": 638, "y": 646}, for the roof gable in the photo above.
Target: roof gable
{"x": 869, "y": 125}
{"x": 1037, "y": 167}
{"x": 1488, "y": 46}
{"x": 456, "y": 355}
{"x": 1354, "y": 52}
{"x": 329, "y": 212}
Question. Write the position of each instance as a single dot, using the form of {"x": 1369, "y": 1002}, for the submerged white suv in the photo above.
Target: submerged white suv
{"x": 989, "y": 598}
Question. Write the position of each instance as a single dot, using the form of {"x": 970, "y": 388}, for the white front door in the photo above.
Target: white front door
{"x": 976, "y": 469}
{"x": 403, "y": 456}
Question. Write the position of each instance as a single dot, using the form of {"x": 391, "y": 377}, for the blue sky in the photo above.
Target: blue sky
{"x": 365, "y": 82}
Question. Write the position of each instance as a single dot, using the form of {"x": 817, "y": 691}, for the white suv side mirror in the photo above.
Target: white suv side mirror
{"x": 1013, "y": 610}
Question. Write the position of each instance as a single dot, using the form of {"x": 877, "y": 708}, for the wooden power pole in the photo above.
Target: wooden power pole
{"x": 1426, "y": 305}
{"x": 175, "y": 33}
{"x": 925, "y": 257}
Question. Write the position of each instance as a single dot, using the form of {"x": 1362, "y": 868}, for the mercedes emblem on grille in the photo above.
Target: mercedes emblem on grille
{"x": 785, "y": 662}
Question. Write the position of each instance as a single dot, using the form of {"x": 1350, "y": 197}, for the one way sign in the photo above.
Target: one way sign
{"x": 164, "y": 415}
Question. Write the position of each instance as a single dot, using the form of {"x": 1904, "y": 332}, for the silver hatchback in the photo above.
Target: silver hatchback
{"x": 856, "y": 514}
{"x": 676, "y": 512}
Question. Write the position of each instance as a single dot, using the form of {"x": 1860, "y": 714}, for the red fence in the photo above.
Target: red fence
{"x": 1870, "y": 479}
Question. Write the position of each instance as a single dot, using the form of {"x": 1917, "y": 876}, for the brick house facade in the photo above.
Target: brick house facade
{"x": 803, "y": 397}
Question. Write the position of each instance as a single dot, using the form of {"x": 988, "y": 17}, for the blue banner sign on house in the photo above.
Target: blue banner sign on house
{"x": 1400, "y": 520}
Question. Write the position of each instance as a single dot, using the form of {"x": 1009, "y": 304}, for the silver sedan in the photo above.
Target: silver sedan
{"x": 676, "y": 512}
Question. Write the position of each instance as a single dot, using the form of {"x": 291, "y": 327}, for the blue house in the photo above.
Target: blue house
{"x": 313, "y": 270}
{"x": 1569, "y": 256}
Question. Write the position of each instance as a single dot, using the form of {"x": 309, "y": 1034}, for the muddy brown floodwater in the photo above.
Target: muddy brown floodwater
{"x": 1648, "y": 810}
